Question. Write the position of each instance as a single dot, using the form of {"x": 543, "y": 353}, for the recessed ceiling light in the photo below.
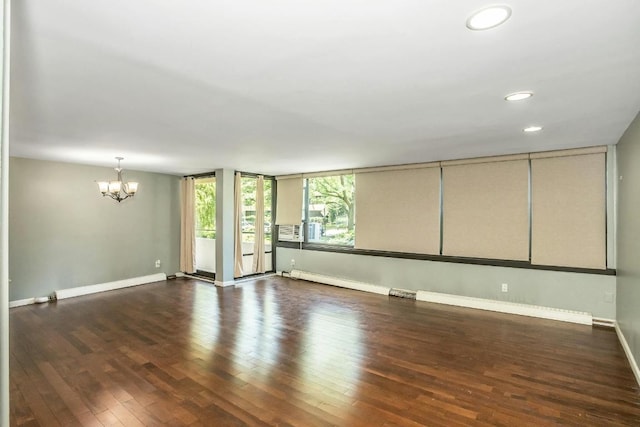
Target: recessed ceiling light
{"x": 489, "y": 17}
{"x": 518, "y": 96}
{"x": 532, "y": 129}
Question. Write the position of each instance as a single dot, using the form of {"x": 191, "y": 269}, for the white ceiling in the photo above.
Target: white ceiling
{"x": 285, "y": 86}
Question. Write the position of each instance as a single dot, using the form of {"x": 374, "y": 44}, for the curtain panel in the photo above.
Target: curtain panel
{"x": 258, "y": 244}
{"x": 187, "y": 226}
{"x": 237, "y": 218}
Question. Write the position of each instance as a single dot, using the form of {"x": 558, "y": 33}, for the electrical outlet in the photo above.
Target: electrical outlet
{"x": 505, "y": 287}
{"x": 293, "y": 262}
{"x": 157, "y": 263}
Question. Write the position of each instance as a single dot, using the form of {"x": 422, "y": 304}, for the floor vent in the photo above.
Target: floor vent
{"x": 608, "y": 323}
{"x": 402, "y": 293}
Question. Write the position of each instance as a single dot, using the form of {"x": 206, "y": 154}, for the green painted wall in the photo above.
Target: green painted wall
{"x": 628, "y": 248}
{"x": 5, "y": 18}
{"x": 569, "y": 291}
{"x": 64, "y": 234}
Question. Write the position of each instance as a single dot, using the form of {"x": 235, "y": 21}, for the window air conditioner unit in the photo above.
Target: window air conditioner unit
{"x": 290, "y": 233}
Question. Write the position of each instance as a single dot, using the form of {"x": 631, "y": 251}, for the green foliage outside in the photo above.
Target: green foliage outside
{"x": 205, "y": 190}
{"x": 248, "y": 220}
{"x": 206, "y": 208}
{"x": 336, "y": 196}
{"x": 249, "y": 185}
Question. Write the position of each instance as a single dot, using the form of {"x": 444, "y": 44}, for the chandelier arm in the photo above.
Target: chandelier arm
{"x": 117, "y": 197}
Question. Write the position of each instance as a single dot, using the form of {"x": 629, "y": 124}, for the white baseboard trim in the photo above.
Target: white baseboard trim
{"x": 200, "y": 278}
{"x": 21, "y": 302}
{"x": 507, "y": 307}
{"x": 343, "y": 283}
{"x": 180, "y": 274}
{"x": 627, "y": 351}
{"x": 253, "y": 278}
{"x": 229, "y": 282}
{"x": 224, "y": 284}
{"x": 102, "y": 287}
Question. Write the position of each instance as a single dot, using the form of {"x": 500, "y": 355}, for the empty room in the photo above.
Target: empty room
{"x": 320, "y": 213}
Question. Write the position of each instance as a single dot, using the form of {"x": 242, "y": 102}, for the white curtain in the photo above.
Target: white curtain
{"x": 187, "y": 226}
{"x": 258, "y": 244}
{"x": 237, "y": 217}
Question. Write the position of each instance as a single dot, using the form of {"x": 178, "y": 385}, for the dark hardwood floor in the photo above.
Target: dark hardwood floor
{"x": 277, "y": 351}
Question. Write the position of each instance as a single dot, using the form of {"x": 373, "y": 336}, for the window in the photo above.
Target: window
{"x": 206, "y": 207}
{"x": 399, "y": 209}
{"x": 248, "y": 220}
{"x": 569, "y": 223}
{"x": 537, "y": 209}
{"x": 486, "y": 208}
{"x": 205, "y": 201}
{"x": 331, "y": 210}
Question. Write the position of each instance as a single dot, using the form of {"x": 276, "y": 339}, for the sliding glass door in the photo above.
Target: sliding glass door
{"x": 248, "y": 222}
{"x": 206, "y": 226}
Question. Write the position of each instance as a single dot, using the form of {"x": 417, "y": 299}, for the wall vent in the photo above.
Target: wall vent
{"x": 402, "y": 293}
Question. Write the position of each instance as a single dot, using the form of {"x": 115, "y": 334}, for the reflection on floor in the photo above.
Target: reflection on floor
{"x": 276, "y": 351}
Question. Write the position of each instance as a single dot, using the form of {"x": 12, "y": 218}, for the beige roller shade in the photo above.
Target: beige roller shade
{"x": 570, "y": 152}
{"x": 289, "y": 201}
{"x": 486, "y": 210}
{"x": 327, "y": 173}
{"x": 492, "y": 159}
{"x": 568, "y": 215}
{"x": 398, "y": 210}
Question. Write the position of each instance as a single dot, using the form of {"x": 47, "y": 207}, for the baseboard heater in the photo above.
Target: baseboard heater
{"x": 403, "y": 293}
{"x": 542, "y": 312}
{"x": 507, "y": 307}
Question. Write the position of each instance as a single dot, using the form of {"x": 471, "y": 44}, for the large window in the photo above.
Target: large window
{"x": 331, "y": 210}
{"x": 538, "y": 209}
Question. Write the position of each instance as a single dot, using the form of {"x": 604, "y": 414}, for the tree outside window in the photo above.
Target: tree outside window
{"x": 331, "y": 217}
{"x": 248, "y": 217}
{"x": 206, "y": 208}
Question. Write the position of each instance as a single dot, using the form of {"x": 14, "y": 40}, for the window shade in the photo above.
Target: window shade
{"x": 289, "y": 200}
{"x": 399, "y": 210}
{"x": 568, "y": 216}
{"x": 486, "y": 208}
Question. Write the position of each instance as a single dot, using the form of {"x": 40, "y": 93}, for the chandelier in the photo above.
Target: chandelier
{"x": 118, "y": 190}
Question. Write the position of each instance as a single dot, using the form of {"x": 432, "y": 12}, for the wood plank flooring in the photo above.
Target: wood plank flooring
{"x": 277, "y": 351}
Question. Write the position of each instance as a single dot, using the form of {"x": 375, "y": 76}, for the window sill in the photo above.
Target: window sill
{"x": 442, "y": 258}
